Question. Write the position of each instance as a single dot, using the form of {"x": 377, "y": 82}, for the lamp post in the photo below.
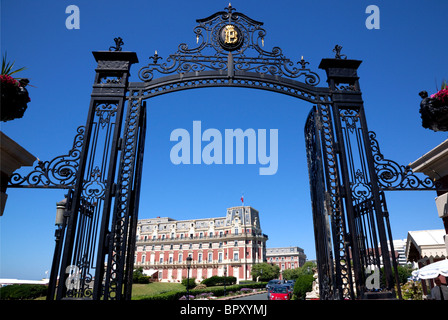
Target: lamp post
{"x": 225, "y": 276}
{"x": 61, "y": 207}
{"x": 189, "y": 259}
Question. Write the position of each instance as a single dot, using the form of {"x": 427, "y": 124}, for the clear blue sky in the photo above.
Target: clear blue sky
{"x": 406, "y": 55}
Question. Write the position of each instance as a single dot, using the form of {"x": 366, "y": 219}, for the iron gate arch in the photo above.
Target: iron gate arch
{"x": 348, "y": 174}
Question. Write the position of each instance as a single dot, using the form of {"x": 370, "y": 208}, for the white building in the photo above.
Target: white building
{"x": 400, "y": 249}
{"x": 426, "y": 246}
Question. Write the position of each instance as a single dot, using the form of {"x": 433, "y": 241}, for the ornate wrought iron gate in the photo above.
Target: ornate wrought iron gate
{"x": 348, "y": 209}
{"x": 95, "y": 244}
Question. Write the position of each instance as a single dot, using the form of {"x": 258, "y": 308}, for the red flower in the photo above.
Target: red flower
{"x": 6, "y": 79}
{"x": 442, "y": 95}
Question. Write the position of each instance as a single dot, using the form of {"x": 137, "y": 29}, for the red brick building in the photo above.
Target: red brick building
{"x": 230, "y": 244}
{"x": 286, "y": 257}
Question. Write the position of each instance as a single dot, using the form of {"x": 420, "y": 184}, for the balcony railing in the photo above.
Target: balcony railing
{"x": 194, "y": 264}
{"x": 227, "y": 236}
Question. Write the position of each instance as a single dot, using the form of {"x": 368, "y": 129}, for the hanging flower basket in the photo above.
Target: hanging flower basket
{"x": 14, "y": 97}
{"x": 434, "y": 109}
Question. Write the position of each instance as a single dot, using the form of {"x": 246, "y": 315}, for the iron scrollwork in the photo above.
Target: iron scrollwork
{"x": 228, "y": 33}
{"x": 392, "y": 176}
{"x": 57, "y": 173}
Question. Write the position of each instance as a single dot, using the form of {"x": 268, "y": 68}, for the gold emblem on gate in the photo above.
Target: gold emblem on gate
{"x": 231, "y": 35}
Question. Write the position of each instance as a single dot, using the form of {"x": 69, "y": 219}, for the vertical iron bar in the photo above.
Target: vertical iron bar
{"x": 334, "y": 198}
{"x": 135, "y": 206}
{"x": 345, "y": 180}
{"x": 121, "y": 213}
{"x": 318, "y": 202}
{"x": 104, "y": 226}
{"x": 59, "y": 234}
{"x": 392, "y": 249}
{"x": 377, "y": 203}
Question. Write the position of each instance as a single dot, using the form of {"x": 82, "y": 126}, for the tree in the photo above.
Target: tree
{"x": 265, "y": 271}
{"x": 306, "y": 269}
{"x": 404, "y": 272}
{"x": 189, "y": 283}
{"x": 304, "y": 284}
{"x": 139, "y": 277}
{"x": 291, "y": 274}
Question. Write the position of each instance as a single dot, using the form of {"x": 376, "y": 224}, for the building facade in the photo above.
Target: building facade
{"x": 227, "y": 245}
{"x": 286, "y": 257}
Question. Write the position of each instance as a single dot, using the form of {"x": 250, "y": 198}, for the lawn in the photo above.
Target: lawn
{"x": 145, "y": 290}
{"x": 155, "y": 288}
{"x": 139, "y": 290}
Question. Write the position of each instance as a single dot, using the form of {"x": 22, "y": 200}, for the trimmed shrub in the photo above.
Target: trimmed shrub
{"x": 142, "y": 279}
{"x": 191, "y": 282}
{"x": 215, "y": 291}
{"x": 200, "y": 287}
{"x": 218, "y": 281}
{"x": 139, "y": 277}
{"x": 303, "y": 285}
{"x": 23, "y": 291}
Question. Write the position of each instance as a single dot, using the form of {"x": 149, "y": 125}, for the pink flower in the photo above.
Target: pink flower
{"x": 441, "y": 95}
{"x": 7, "y": 79}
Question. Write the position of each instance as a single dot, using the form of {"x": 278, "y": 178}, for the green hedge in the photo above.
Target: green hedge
{"x": 216, "y": 291}
{"x": 218, "y": 281}
{"x": 23, "y": 291}
{"x": 190, "y": 281}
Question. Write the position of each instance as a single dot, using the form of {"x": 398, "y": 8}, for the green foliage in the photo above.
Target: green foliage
{"x": 215, "y": 291}
{"x": 7, "y": 67}
{"x": 291, "y": 274}
{"x": 170, "y": 295}
{"x": 304, "y": 284}
{"x": 404, "y": 272}
{"x": 218, "y": 281}
{"x": 412, "y": 290}
{"x": 23, "y": 291}
{"x": 306, "y": 269}
{"x": 189, "y": 283}
{"x": 265, "y": 271}
{"x": 139, "y": 277}
{"x": 154, "y": 288}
